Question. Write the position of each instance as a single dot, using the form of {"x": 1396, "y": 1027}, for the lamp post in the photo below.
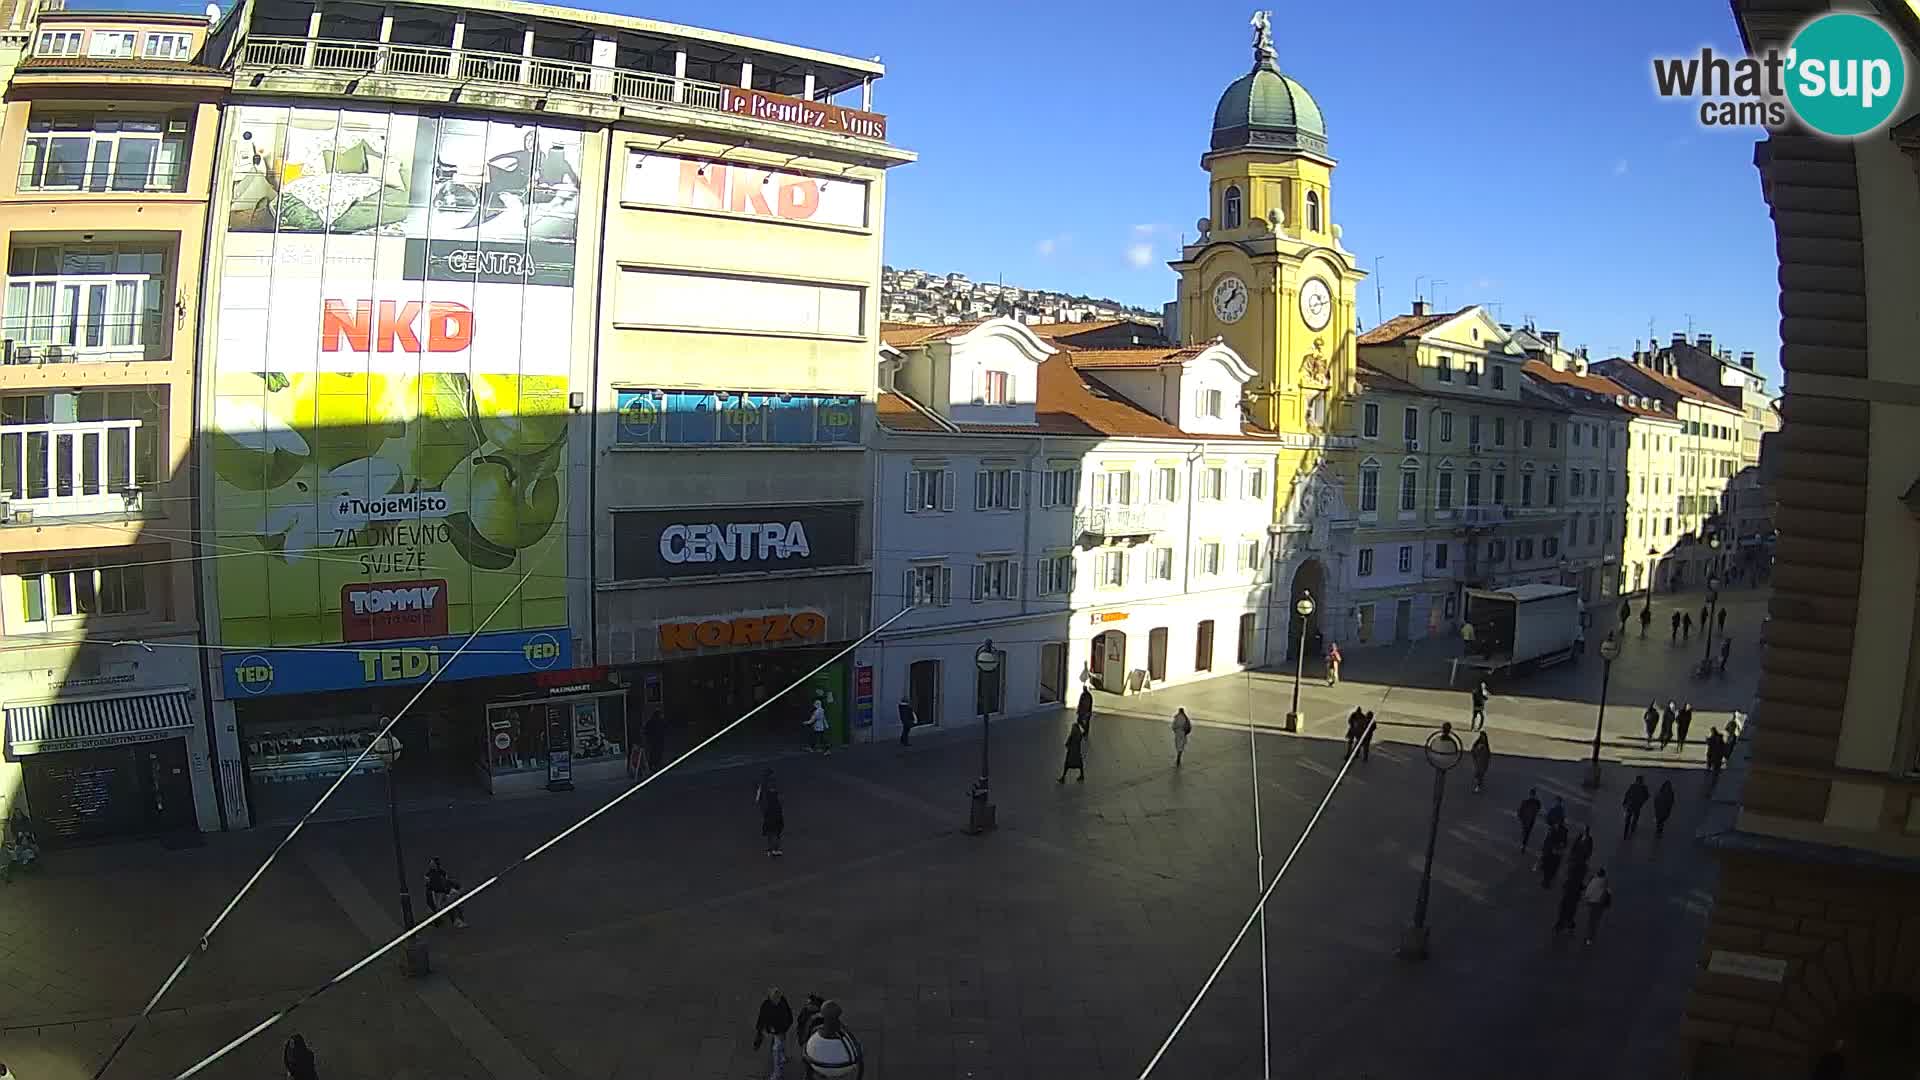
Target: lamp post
{"x": 1443, "y": 753}
{"x": 414, "y": 959}
{"x": 1713, "y": 601}
{"x": 986, "y": 665}
{"x": 1304, "y": 609}
{"x": 1609, "y": 652}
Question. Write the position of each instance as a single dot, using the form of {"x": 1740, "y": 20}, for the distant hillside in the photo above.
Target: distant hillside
{"x": 913, "y": 295}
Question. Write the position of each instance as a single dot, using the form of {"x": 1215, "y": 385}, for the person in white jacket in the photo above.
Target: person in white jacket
{"x": 1597, "y": 898}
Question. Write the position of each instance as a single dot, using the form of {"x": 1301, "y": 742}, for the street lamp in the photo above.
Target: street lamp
{"x": 1609, "y": 652}
{"x": 414, "y": 960}
{"x": 1653, "y": 571}
{"x": 986, "y": 665}
{"x": 1713, "y": 600}
{"x": 1303, "y": 608}
{"x": 1443, "y": 753}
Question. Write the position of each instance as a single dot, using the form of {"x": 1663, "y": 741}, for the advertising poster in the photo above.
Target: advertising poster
{"x": 694, "y": 184}
{"x": 390, "y": 411}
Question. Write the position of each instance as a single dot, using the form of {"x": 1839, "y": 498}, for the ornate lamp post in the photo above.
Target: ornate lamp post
{"x": 1304, "y": 609}
{"x": 1609, "y": 652}
{"x": 1443, "y": 753}
{"x": 986, "y": 665}
{"x": 414, "y": 960}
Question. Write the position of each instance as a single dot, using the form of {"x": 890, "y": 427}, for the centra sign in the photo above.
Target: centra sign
{"x": 761, "y": 541}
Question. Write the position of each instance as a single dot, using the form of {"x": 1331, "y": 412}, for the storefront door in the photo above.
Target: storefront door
{"x": 1157, "y": 654}
{"x": 923, "y": 683}
{"x": 82, "y": 796}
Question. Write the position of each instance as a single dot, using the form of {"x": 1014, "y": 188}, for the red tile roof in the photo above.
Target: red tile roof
{"x": 132, "y": 65}
{"x": 899, "y": 414}
{"x": 1070, "y": 403}
{"x": 1597, "y": 384}
{"x": 1677, "y": 385}
{"x": 1095, "y": 359}
{"x": 1070, "y": 329}
{"x": 1374, "y": 378}
{"x": 907, "y": 335}
{"x": 1403, "y": 326}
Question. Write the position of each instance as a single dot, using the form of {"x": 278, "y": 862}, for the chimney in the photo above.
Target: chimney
{"x": 1551, "y": 337}
{"x": 1419, "y": 307}
{"x": 1705, "y": 343}
{"x": 1746, "y": 360}
{"x": 1508, "y": 327}
{"x": 1679, "y": 340}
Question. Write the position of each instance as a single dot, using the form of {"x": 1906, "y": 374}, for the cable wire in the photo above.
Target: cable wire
{"x": 542, "y": 849}
{"x": 1260, "y": 876}
{"x": 206, "y": 936}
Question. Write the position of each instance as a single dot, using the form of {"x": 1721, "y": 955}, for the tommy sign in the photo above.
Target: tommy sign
{"x": 706, "y": 541}
{"x": 387, "y": 610}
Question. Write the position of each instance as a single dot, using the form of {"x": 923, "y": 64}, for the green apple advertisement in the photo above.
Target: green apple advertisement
{"x": 390, "y": 411}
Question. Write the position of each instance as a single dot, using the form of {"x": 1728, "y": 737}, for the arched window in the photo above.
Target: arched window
{"x": 1230, "y": 207}
{"x": 1313, "y": 211}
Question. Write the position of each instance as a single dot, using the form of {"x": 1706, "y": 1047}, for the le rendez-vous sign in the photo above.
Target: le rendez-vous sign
{"x": 823, "y": 115}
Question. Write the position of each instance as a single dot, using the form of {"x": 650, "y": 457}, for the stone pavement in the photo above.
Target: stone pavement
{"x": 1063, "y": 945}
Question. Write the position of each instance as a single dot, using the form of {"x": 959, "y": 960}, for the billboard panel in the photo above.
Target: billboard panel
{"x": 390, "y": 413}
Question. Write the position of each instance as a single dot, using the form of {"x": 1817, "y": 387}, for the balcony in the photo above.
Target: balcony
{"x": 110, "y": 340}
{"x": 74, "y": 469}
{"x": 1483, "y": 517}
{"x": 1120, "y": 522}
{"x": 539, "y": 75}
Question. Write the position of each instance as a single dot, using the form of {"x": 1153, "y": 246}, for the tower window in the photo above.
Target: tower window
{"x": 1313, "y": 211}
{"x": 1230, "y": 207}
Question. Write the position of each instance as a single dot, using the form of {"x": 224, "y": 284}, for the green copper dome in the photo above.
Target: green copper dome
{"x": 1265, "y": 110}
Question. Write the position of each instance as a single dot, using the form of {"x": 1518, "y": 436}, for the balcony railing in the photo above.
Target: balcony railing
{"x": 1110, "y": 522}
{"x": 72, "y": 469}
{"x": 113, "y": 339}
{"x": 122, "y": 177}
{"x": 1481, "y": 517}
{"x": 475, "y": 66}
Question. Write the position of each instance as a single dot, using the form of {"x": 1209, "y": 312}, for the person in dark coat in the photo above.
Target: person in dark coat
{"x": 1552, "y": 849}
{"x": 1726, "y": 652}
{"x": 1482, "y": 755}
{"x": 776, "y": 1017}
{"x": 656, "y": 737}
{"x": 1646, "y": 619}
{"x": 441, "y": 889}
{"x": 1529, "y": 810}
{"x": 1716, "y": 757}
{"x": 1733, "y": 735}
{"x": 1580, "y": 853}
{"x": 1366, "y": 737}
{"x": 1662, "y": 808}
{"x": 1083, "y": 712}
{"x": 1676, "y": 626}
{"x": 1557, "y": 817}
{"x": 1684, "y": 723}
{"x": 1723, "y": 620}
{"x": 1479, "y": 719}
{"x": 1565, "y": 919}
{"x": 1706, "y": 611}
{"x": 773, "y": 816}
{"x": 1626, "y": 612}
{"x": 1632, "y": 802}
{"x": 1356, "y": 723}
{"x": 1686, "y": 628}
{"x": 1652, "y": 721}
{"x": 1075, "y": 758}
{"x": 298, "y": 1058}
{"x": 808, "y": 1019}
{"x": 907, "y": 722}
{"x": 1667, "y": 720}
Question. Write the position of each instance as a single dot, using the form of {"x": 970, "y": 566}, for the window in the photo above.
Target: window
{"x": 1060, "y": 486}
{"x": 1250, "y": 555}
{"x": 753, "y": 305}
{"x": 1553, "y": 489}
{"x": 111, "y": 448}
{"x": 70, "y": 588}
{"x": 996, "y": 388}
{"x": 1553, "y": 434}
{"x": 59, "y": 43}
{"x": 1406, "y": 558}
{"x": 1473, "y": 487}
{"x": 1526, "y": 489}
{"x": 1500, "y": 489}
{"x": 1576, "y": 477}
{"x": 1410, "y": 427}
{"x": 996, "y": 579}
{"x": 1446, "y": 427}
{"x": 1549, "y": 547}
{"x": 1668, "y": 531}
{"x": 928, "y": 490}
{"x": 1607, "y": 531}
{"x": 997, "y": 488}
{"x": 1253, "y": 482}
{"x": 1230, "y": 207}
{"x": 1499, "y": 431}
{"x": 1369, "y": 489}
{"x": 1160, "y": 564}
{"x": 1526, "y": 432}
{"x": 111, "y": 44}
{"x": 1113, "y": 569}
{"x": 1213, "y": 482}
{"x": 1317, "y": 410}
{"x": 1203, "y": 646}
{"x": 1166, "y": 484}
{"x": 1473, "y": 374}
{"x": 1440, "y": 554}
{"x": 104, "y": 152}
{"x": 1212, "y": 403}
{"x": 1209, "y": 564}
{"x": 1523, "y": 549}
{"x": 929, "y": 585}
{"x": 1611, "y": 474}
{"x": 1473, "y": 431}
{"x": 1444, "y": 367}
{"x": 1443, "y": 491}
{"x": 167, "y": 46}
{"x": 1249, "y": 625}
{"x": 1496, "y": 550}
{"x": 1613, "y": 438}
{"x": 1499, "y": 376}
{"x": 1056, "y": 575}
{"x": 1313, "y": 211}
{"x": 1113, "y": 488}
{"x": 1593, "y": 482}
{"x": 1366, "y": 562}
{"x": 1593, "y": 529}
{"x": 1409, "y": 491}
{"x": 1370, "y": 420}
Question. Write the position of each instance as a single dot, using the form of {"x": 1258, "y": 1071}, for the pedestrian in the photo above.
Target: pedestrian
{"x": 1722, "y": 618}
{"x": 773, "y": 816}
{"x": 1632, "y": 802}
{"x": 1479, "y": 719}
{"x": 1652, "y": 720}
{"x": 1182, "y": 727}
{"x": 1075, "y": 758}
{"x": 1083, "y": 712}
{"x": 1333, "y": 663}
{"x": 1552, "y": 849}
{"x": 1706, "y": 613}
{"x": 1626, "y": 612}
{"x": 808, "y": 1019}
{"x": 1482, "y": 757}
{"x": 1580, "y": 853}
{"x": 1676, "y": 626}
{"x": 1686, "y": 628}
{"x": 1716, "y": 757}
{"x": 1529, "y": 810}
{"x": 1356, "y": 725}
{"x": 1667, "y": 720}
{"x": 775, "y": 1018}
{"x": 1684, "y": 723}
{"x": 1598, "y": 899}
{"x": 1733, "y": 733}
{"x": 1557, "y": 817}
{"x": 1646, "y": 619}
{"x": 1662, "y": 808}
{"x": 1726, "y": 652}
{"x": 1366, "y": 737}
{"x": 656, "y": 736}
{"x": 907, "y": 722}
{"x": 298, "y": 1058}
{"x": 636, "y": 757}
{"x": 441, "y": 889}
{"x": 1564, "y": 919}
{"x": 817, "y": 725}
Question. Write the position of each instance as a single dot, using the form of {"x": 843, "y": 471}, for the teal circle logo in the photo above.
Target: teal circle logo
{"x": 1845, "y": 75}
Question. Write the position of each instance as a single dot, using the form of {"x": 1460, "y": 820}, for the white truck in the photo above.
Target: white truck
{"x": 1533, "y": 625}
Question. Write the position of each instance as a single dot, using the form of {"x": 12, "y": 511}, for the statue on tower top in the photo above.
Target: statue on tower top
{"x": 1263, "y": 53}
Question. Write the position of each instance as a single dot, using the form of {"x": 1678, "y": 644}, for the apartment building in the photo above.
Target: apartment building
{"x": 111, "y": 124}
{"x": 1101, "y": 515}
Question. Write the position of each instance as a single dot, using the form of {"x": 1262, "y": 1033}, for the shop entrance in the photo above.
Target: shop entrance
{"x": 82, "y": 796}
{"x": 1110, "y": 661}
{"x": 923, "y": 690}
{"x": 1157, "y": 654}
{"x": 703, "y": 694}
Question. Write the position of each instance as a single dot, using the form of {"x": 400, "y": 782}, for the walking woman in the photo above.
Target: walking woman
{"x": 1653, "y": 722}
{"x": 773, "y": 817}
{"x": 1083, "y": 712}
{"x": 298, "y": 1058}
{"x": 1075, "y": 759}
{"x": 1182, "y": 727}
{"x": 1333, "y": 664}
{"x": 1482, "y": 757}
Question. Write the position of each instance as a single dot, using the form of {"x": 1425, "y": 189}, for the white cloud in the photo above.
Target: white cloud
{"x": 1620, "y": 167}
{"x": 1483, "y": 284}
{"x": 1144, "y": 231}
{"x": 1044, "y": 247}
{"x": 1140, "y": 256}
{"x": 1048, "y": 245}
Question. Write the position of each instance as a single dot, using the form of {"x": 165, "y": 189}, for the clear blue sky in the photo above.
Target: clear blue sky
{"x": 1515, "y": 150}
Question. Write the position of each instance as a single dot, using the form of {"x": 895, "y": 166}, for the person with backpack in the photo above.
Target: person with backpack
{"x": 1182, "y": 727}
{"x": 441, "y": 889}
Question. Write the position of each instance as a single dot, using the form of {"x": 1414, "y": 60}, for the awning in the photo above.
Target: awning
{"x": 94, "y": 722}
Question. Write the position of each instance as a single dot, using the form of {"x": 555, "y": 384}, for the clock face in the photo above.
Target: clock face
{"x": 1316, "y": 304}
{"x": 1230, "y": 299}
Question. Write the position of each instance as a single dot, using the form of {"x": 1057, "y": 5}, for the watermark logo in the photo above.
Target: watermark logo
{"x": 1843, "y": 75}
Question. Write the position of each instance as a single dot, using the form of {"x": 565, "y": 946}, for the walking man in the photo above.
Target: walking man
{"x": 1684, "y": 723}
{"x": 1557, "y": 817}
{"x": 1356, "y": 724}
{"x": 1726, "y": 651}
{"x": 1570, "y": 893}
{"x": 1333, "y": 663}
{"x": 1482, "y": 757}
{"x": 1366, "y": 737}
{"x": 1722, "y": 617}
{"x": 1598, "y": 899}
{"x": 907, "y": 721}
{"x": 1479, "y": 719}
{"x": 1646, "y": 620}
{"x": 1705, "y": 611}
{"x": 1529, "y": 810}
{"x": 773, "y": 816}
{"x": 1083, "y": 712}
{"x": 1076, "y": 759}
{"x": 776, "y": 1016}
{"x": 656, "y": 738}
{"x": 1182, "y": 727}
{"x": 1733, "y": 733}
{"x": 1676, "y": 626}
{"x": 1652, "y": 720}
{"x": 1632, "y": 802}
{"x": 1716, "y": 757}
{"x": 1667, "y": 720}
{"x": 1686, "y": 628}
{"x": 1580, "y": 854}
{"x": 441, "y": 889}
{"x": 1626, "y": 612}
{"x": 1662, "y": 808}
{"x": 817, "y": 724}
{"x": 1551, "y": 851}
{"x": 298, "y": 1059}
